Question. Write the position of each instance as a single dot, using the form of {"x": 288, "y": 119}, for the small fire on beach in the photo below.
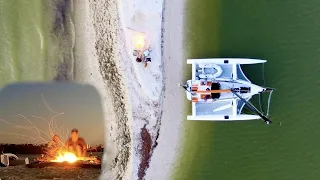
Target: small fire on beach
{"x": 140, "y": 41}
{"x": 66, "y": 159}
{"x": 72, "y": 158}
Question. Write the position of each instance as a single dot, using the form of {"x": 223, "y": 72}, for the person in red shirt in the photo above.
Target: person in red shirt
{"x": 76, "y": 144}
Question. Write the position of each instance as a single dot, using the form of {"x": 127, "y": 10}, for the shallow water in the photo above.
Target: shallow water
{"x": 35, "y": 39}
{"x": 286, "y": 34}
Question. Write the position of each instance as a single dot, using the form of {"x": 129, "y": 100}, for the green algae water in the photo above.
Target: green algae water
{"x": 35, "y": 39}
{"x": 286, "y": 33}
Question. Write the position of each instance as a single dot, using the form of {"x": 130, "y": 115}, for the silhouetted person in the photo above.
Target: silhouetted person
{"x": 76, "y": 144}
{"x": 54, "y": 146}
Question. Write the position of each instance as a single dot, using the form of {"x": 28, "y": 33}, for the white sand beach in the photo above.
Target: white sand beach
{"x": 134, "y": 96}
{"x": 167, "y": 151}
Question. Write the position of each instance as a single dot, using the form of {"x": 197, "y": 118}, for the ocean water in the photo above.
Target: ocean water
{"x": 36, "y": 40}
{"x": 286, "y": 33}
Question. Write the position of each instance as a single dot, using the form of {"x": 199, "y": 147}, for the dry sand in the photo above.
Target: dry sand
{"x": 167, "y": 151}
{"x": 96, "y": 63}
{"x": 137, "y": 101}
{"x": 145, "y": 84}
{"x": 157, "y": 100}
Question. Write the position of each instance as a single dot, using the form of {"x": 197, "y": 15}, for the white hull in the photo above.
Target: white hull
{"x": 242, "y": 117}
{"x": 226, "y": 61}
{"x": 228, "y": 74}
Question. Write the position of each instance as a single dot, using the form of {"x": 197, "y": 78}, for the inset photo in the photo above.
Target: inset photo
{"x": 50, "y": 131}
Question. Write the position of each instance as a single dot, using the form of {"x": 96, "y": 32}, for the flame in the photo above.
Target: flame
{"x": 67, "y": 156}
{"x": 140, "y": 41}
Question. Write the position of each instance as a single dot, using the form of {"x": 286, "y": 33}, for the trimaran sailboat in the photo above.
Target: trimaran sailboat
{"x": 219, "y": 90}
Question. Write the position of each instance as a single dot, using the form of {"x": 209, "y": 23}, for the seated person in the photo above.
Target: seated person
{"x": 148, "y": 60}
{"x": 54, "y": 146}
{"x": 76, "y": 144}
{"x": 146, "y": 53}
{"x": 139, "y": 59}
{"x": 208, "y": 96}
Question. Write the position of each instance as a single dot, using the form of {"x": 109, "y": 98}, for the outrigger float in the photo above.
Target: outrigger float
{"x": 219, "y": 90}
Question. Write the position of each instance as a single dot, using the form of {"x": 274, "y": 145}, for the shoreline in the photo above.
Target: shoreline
{"x": 162, "y": 164}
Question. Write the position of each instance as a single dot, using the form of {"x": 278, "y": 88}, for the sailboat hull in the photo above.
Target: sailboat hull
{"x": 242, "y": 117}
{"x": 226, "y": 61}
{"x": 208, "y": 89}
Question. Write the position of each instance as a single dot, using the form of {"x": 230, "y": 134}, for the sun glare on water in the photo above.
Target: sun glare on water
{"x": 68, "y": 157}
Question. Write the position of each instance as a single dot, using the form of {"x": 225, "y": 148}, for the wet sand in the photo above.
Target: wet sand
{"x": 171, "y": 129}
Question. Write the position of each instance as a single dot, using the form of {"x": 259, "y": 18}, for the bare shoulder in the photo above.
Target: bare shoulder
{"x": 81, "y": 139}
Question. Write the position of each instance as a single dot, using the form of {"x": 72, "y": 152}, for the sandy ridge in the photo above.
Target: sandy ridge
{"x": 105, "y": 22}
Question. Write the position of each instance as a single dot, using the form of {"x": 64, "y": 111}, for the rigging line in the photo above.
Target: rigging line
{"x": 263, "y": 77}
{"x": 253, "y": 109}
{"x": 260, "y": 103}
{"x": 269, "y": 99}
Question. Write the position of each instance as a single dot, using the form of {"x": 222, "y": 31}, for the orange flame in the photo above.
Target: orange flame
{"x": 66, "y": 156}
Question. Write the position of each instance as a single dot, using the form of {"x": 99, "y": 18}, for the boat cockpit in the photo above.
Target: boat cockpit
{"x": 215, "y": 86}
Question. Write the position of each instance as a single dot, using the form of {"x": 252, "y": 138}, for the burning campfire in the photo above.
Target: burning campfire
{"x": 69, "y": 157}
{"x": 140, "y": 41}
{"x": 66, "y": 159}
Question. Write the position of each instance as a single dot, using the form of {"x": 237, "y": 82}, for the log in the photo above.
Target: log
{"x": 17, "y": 162}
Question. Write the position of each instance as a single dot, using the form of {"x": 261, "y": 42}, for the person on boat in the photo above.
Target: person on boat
{"x": 54, "y": 146}
{"x": 76, "y": 144}
{"x": 207, "y": 97}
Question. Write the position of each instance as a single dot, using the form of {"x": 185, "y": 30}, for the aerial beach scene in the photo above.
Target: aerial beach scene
{"x": 140, "y": 55}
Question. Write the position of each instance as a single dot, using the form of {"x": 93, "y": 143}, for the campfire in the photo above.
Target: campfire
{"x": 140, "y": 41}
{"x": 66, "y": 159}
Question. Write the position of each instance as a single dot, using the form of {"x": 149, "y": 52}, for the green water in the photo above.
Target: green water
{"x": 286, "y": 33}
{"x": 34, "y": 40}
